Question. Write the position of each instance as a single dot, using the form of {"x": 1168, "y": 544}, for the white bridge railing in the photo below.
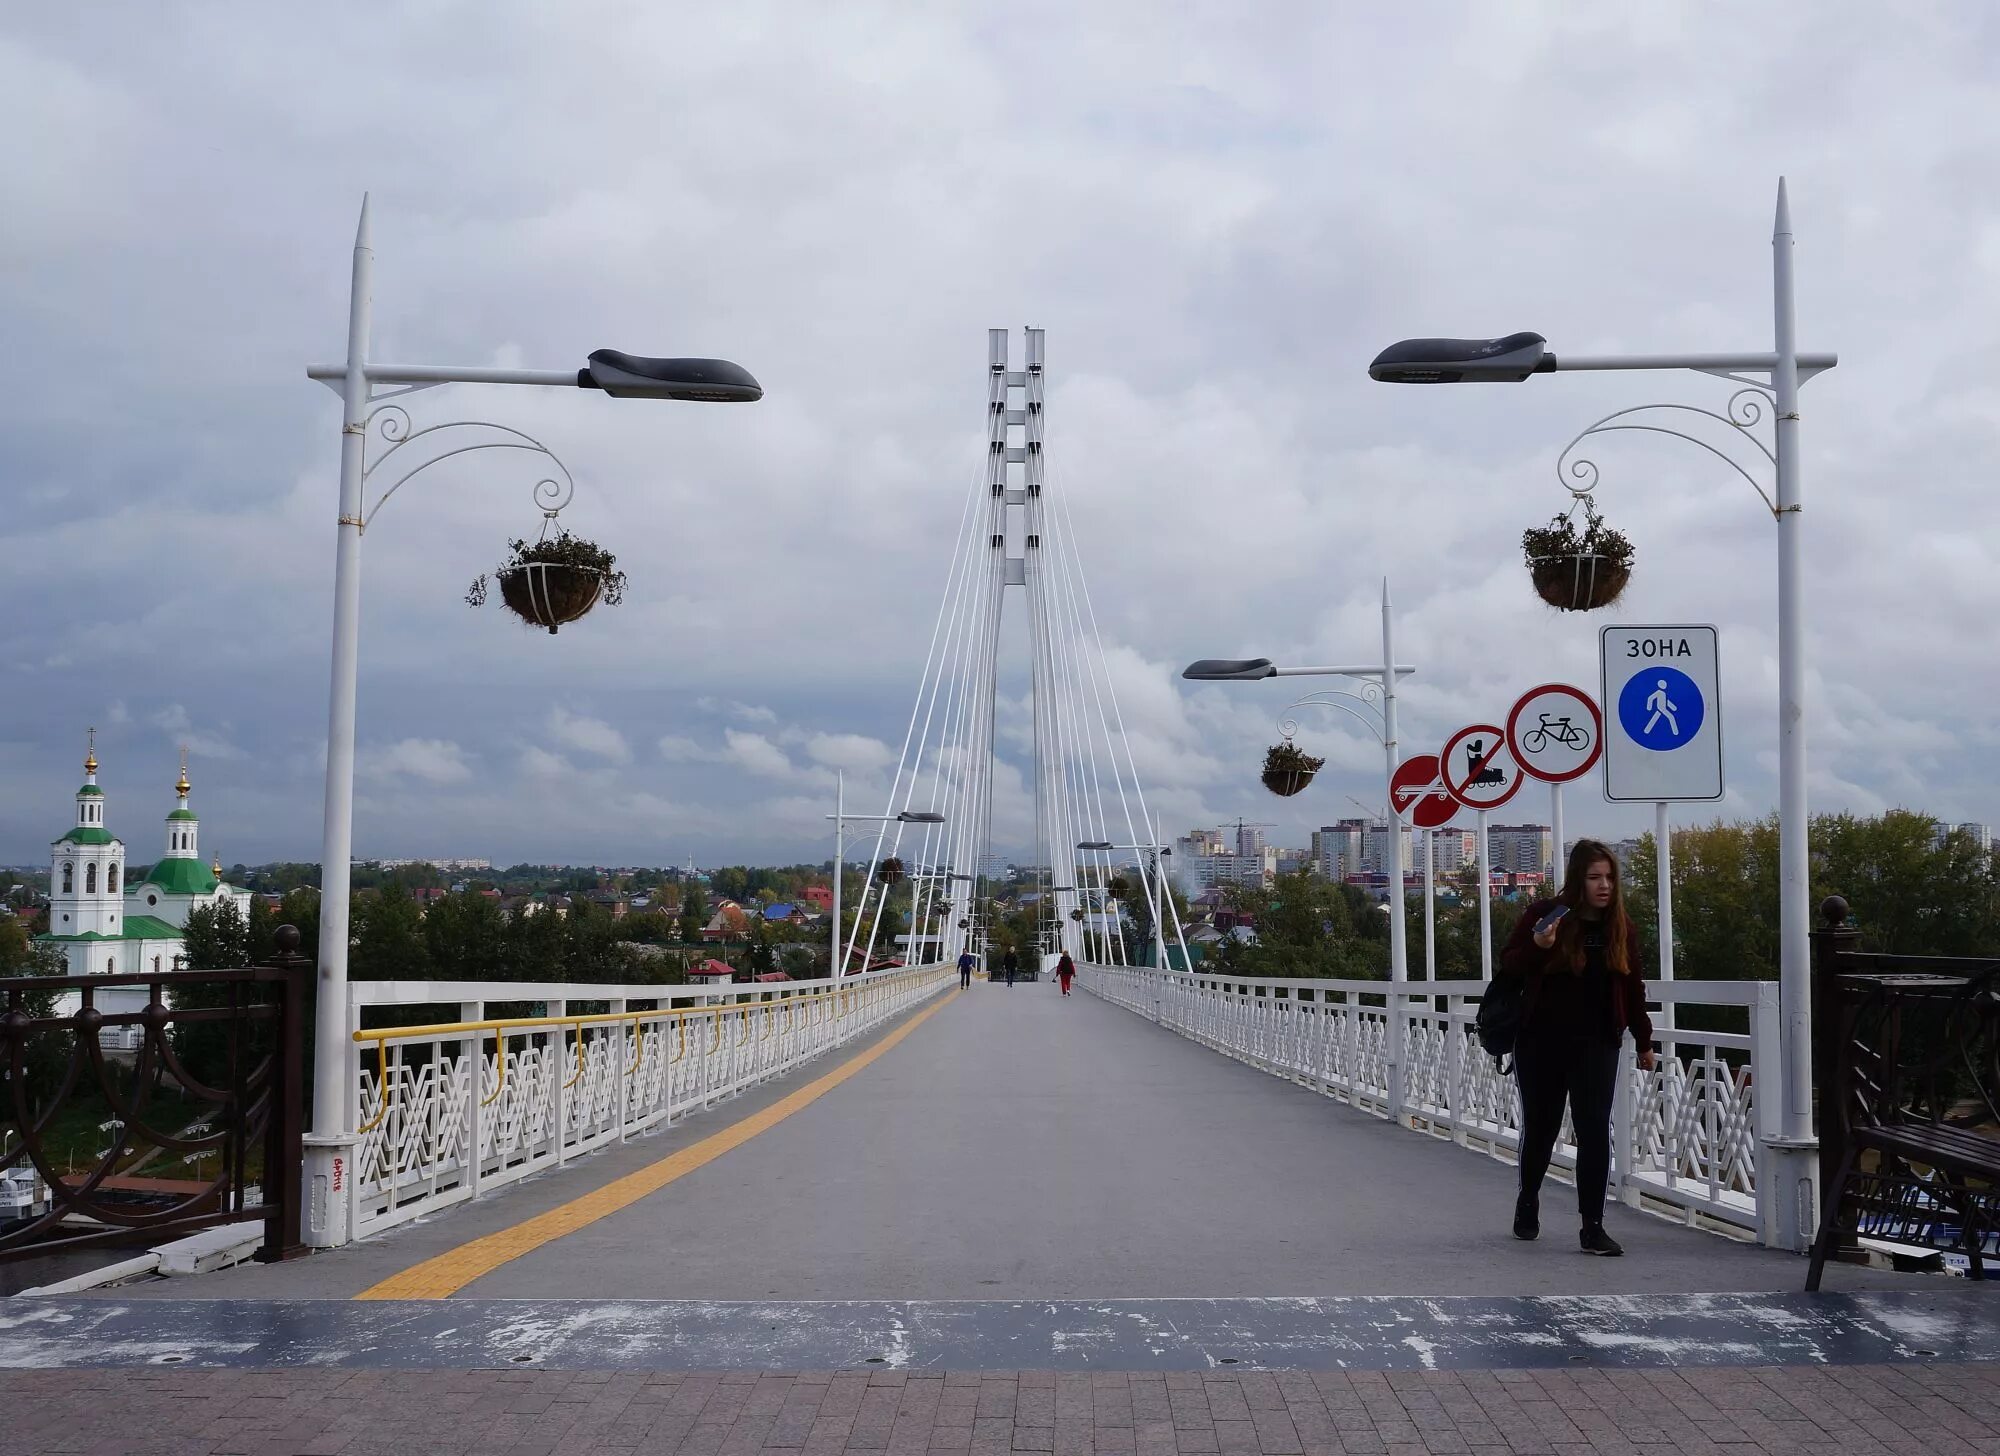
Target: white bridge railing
{"x": 447, "y": 1110}
{"x": 1686, "y": 1137}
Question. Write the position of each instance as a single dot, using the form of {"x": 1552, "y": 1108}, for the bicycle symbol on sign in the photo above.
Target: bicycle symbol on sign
{"x": 1560, "y": 731}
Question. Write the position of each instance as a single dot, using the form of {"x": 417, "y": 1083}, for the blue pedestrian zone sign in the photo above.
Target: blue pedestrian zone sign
{"x": 1661, "y": 708}
{"x": 1663, "y": 737}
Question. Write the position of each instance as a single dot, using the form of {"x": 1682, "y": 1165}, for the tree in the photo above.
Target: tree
{"x": 216, "y": 938}
{"x": 536, "y": 946}
{"x": 48, "y": 1053}
{"x": 389, "y": 938}
{"x": 694, "y": 914}
{"x": 465, "y": 936}
{"x": 762, "y": 962}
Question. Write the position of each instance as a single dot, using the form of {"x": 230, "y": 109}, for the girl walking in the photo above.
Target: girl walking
{"x": 1065, "y": 972}
{"x": 1578, "y": 959}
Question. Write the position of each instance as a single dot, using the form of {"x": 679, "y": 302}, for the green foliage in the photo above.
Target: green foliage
{"x": 561, "y": 549}
{"x": 465, "y": 937}
{"x": 46, "y": 1055}
{"x": 218, "y": 938}
{"x": 1561, "y": 538}
{"x": 1308, "y": 927}
{"x": 1288, "y": 757}
{"x": 388, "y": 930}
{"x": 1906, "y": 894}
{"x": 694, "y": 914}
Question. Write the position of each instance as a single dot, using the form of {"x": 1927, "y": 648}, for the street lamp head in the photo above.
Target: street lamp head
{"x": 919, "y": 816}
{"x": 1096, "y": 844}
{"x": 635, "y": 376}
{"x": 1230, "y": 669}
{"x": 1463, "y": 361}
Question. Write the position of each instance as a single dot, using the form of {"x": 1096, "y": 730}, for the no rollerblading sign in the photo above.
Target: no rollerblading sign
{"x": 1478, "y": 768}
{"x": 1663, "y": 710}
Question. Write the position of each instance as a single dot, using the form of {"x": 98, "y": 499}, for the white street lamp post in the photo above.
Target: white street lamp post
{"x": 1158, "y": 898}
{"x": 329, "y": 1145}
{"x": 1784, "y": 368}
{"x": 840, "y": 818}
{"x": 1379, "y": 691}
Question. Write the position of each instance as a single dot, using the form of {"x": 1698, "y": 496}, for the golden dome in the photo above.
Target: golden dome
{"x": 183, "y": 786}
{"x": 90, "y": 754}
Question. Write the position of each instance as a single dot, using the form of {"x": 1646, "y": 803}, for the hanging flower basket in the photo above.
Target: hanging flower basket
{"x": 1076, "y": 915}
{"x": 889, "y": 871}
{"x": 1577, "y": 571}
{"x": 1288, "y": 769}
{"x": 1118, "y": 885}
{"x": 554, "y": 580}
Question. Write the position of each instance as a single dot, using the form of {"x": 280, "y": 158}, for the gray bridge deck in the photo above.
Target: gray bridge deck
{"x": 1021, "y": 1183}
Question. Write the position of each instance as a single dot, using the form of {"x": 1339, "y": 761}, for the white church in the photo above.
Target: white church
{"x": 109, "y": 927}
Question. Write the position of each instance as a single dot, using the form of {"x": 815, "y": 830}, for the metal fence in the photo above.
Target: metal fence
{"x": 1686, "y": 1137}
{"x": 447, "y": 1110}
{"x": 200, "y": 1124}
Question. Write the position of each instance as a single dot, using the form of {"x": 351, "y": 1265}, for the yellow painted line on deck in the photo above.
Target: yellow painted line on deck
{"x": 447, "y": 1273}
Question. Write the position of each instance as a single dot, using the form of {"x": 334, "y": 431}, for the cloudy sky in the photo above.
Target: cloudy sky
{"x": 1218, "y": 212}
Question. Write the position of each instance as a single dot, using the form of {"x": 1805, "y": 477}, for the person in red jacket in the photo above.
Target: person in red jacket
{"x": 1578, "y": 958}
{"x": 1065, "y": 972}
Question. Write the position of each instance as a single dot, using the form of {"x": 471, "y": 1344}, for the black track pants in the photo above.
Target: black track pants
{"x": 1584, "y": 1072}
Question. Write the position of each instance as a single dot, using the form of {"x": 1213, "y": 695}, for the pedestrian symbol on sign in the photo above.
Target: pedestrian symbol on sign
{"x": 1661, "y": 708}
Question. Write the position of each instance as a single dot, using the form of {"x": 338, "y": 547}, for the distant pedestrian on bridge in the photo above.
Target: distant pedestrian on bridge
{"x": 966, "y": 961}
{"x": 1065, "y": 972}
{"x": 1577, "y": 959}
{"x": 1012, "y": 963}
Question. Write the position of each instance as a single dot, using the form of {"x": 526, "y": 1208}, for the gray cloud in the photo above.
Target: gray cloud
{"x": 1219, "y": 214}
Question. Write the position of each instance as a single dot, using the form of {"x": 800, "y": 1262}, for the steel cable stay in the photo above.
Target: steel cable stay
{"x": 1163, "y": 907}
{"x": 961, "y": 552}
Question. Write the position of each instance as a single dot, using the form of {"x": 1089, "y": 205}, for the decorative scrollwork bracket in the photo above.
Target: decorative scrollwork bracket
{"x": 1367, "y": 693}
{"x": 390, "y": 424}
{"x": 1746, "y": 414}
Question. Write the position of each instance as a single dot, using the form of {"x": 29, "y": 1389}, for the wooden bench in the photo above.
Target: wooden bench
{"x": 1907, "y": 1062}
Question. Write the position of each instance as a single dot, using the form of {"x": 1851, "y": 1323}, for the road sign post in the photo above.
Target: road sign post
{"x": 1417, "y": 792}
{"x": 1662, "y": 692}
{"x": 1480, "y": 771}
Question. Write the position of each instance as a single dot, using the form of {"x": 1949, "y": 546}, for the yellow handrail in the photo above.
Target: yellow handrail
{"x": 501, "y": 1027}
{"x": 382, "y": 1086}
{"x": 522, "y": 1023}
{"x": 499, "y": 1064}
{"x": 638, "y": 1050}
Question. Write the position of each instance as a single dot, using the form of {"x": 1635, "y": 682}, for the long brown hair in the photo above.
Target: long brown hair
{"x": 1583, "y": 857}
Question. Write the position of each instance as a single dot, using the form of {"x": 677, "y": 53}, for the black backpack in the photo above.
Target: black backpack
{"x": 1499, "y": 1022}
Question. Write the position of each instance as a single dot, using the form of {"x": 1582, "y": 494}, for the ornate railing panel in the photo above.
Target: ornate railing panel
{"x": 1685, "y": 1136}
{"x": 1907, "y": 1059}
{"x": 216, "y": 1073}
{"x": 447, "y": 1110}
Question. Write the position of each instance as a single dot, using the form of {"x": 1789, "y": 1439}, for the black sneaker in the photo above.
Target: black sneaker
{"x": 1527, "y": 1218}
{"x": 1596, "y": 1241}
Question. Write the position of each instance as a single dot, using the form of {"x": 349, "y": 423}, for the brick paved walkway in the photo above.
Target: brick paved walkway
{"x": 1933, "y": 1409}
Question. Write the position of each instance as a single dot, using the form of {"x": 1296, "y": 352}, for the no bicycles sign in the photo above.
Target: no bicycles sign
{"x": 1556, "y": 732}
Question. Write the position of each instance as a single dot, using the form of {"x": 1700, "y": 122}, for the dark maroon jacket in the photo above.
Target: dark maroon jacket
{"x": 1522, "y": 959}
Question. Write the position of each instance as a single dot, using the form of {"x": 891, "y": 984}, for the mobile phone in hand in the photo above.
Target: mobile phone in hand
{"x": 1551, "y": 918}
